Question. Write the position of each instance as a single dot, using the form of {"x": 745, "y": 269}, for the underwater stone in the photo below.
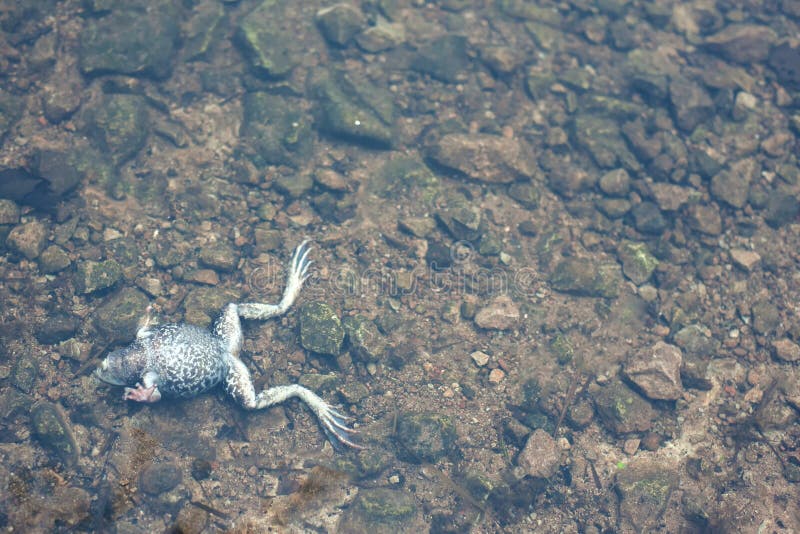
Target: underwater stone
{"x": 52, "y": 429}
{"x": 28, "y": 239}
{"x": 339, "y": 23}
{"x": 117, "y": 318}
{"x": 131, "y": 41}
{"x": 156, "y": 479}
{"x": 321, "y": 331}
{"x": 586, "y": 277}
{"x": 366, "y": 342}
{"x": 638, "y": 263}
{"x": 93, "y": 276}
{"x": 425, "y": 437}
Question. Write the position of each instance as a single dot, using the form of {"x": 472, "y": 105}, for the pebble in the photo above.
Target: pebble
{"x": 480, "y": 358}
{"x": 745, "y": 259}
{"x": 496, "y": 376}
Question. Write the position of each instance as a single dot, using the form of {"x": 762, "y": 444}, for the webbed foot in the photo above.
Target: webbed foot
{"x": 142, "y": 394}
{"x": 335, "y": 426}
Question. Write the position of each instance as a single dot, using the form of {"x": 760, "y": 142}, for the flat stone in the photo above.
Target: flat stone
{"x": 480, "y": 358}
{"x": 787, "y": 350}
{"x": 500, "y": 314}
{"x": 541, "y": 455}
{"x": 743, "y": 43}
{"x": 657, "y": 371}
{"x": 745, "y": 259}
{"x": 483, "y": 157}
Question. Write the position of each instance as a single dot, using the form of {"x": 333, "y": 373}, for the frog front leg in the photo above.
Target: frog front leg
{"x": 146, "y": 391}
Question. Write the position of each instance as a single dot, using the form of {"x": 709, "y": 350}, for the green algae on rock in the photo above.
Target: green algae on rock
{"x": 321, "y": 331}
{"x": 52, "y": 429}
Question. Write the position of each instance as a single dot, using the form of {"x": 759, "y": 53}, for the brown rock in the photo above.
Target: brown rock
{"x": 657, "y": 371}
{"x": 743, "y": 43}
{"x": 541, "y": 455}
{"x": 787, "y": 350}
{"x": 486, "y": 158}
{"x": 500, "y": 314}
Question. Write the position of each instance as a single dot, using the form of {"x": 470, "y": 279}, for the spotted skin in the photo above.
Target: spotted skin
{"x": 180, "y": 360}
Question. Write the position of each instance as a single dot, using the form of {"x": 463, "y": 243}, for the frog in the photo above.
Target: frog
{"x": 180, "y": 360}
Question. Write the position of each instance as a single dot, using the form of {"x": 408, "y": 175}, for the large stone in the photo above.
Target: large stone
{"x": 484, "y": 157}
{"x": 743, "y": 43}
{"x": 657, "y": 371}
{"x": 500, "y": 314}
{"x": 28, "y": 239}
{"x": 131, "y": 40}
{"x": 321, "y": 330}
{"x": 732, "y": 185}
{"x": 691, "y": 103}
{"x": 541, "y": 455}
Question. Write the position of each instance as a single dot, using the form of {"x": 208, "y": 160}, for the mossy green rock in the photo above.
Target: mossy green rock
{"x": 268, "y": 47}
{"x": 52, "y": 429}
{"x": 321, "y": 331}
{"x": 401, "y": 175}
{"x": 117, "y": 318}
{"x": 380, "y": 511}
{"x": 587, "y": 278}
{"x": 92, "y": 276}
{"x": 119, "y": 126}
{"x": 425, "y": 437}
{"x": 366, "y": 342}
{"x": 622, "y": 410}
{"x": 203, "y": 29}
{"x": 203, "y": 304}
{"x": 644, "y": 489}
{"x": 638, "y": 263}
{"x": 131, "y": 40}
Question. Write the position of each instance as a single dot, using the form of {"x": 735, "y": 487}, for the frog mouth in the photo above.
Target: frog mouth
{"x": 104, "y": 376}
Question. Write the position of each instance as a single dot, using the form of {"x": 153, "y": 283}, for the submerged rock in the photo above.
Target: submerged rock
{"x": 52, "y": 429}
{"x": 339, "y": 23}
{"x": 585, "y": 277}
{"x": 657, "y": 371}
{"x": 743, "y": 43}
{"x": 117, "y": 318}
{"x": 381, "y": 511}
{"x": 267, "y": 45}
{"x": 356, "y": 110}
{"x": 93, "y": 276}
{"x": 500, "y": 314}
{"x": 28, "y": 239}
{"x": 131, "y": 40}
{"x": 485, "y": 158}
{"x": 644, "y": 489}
{"x": 424, "y": 437}
{"x": 622, "y": 410}
{"x": 321, "y": 331}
